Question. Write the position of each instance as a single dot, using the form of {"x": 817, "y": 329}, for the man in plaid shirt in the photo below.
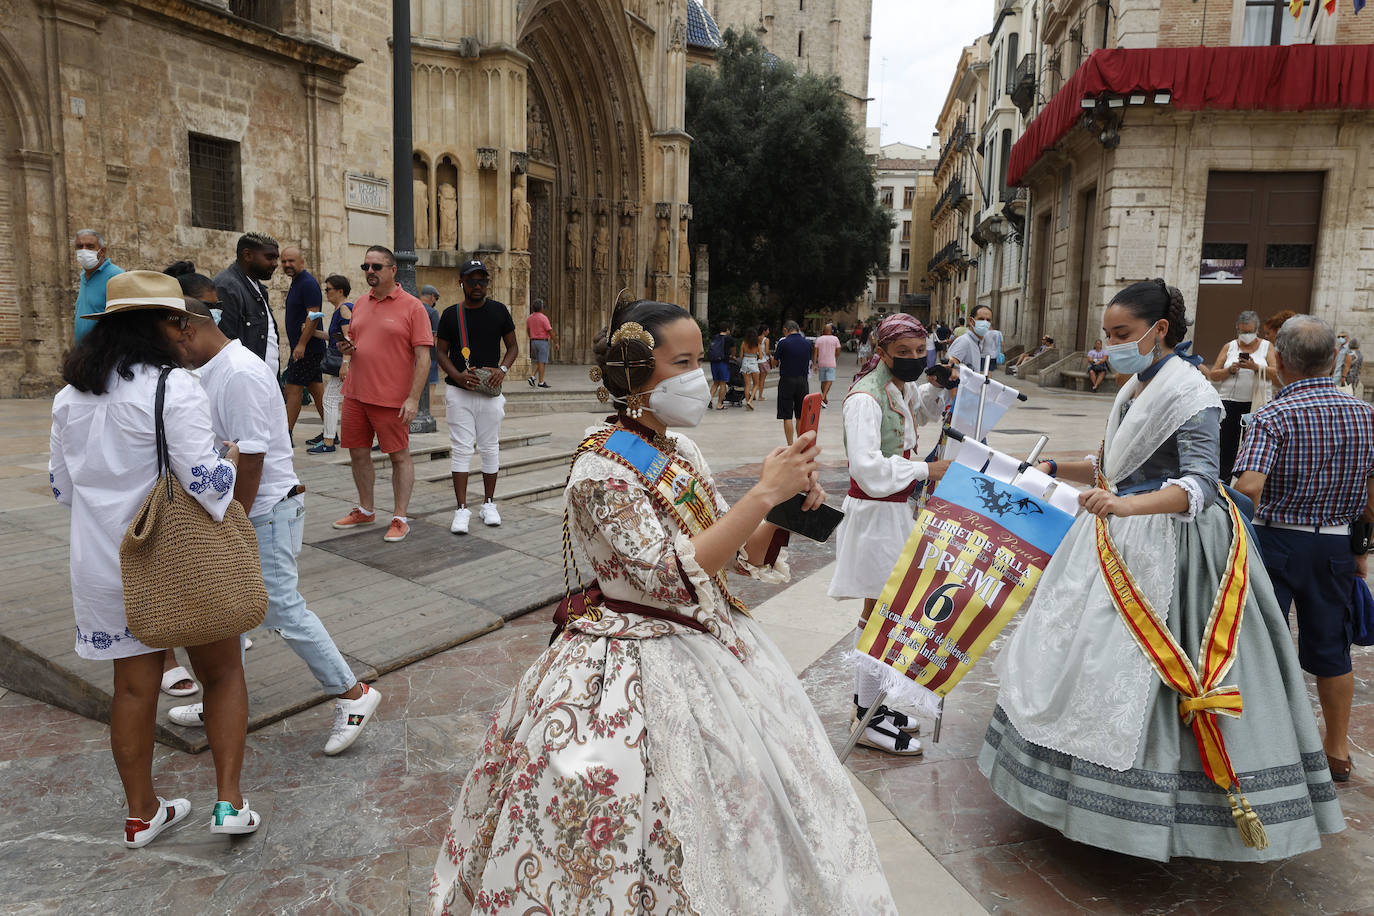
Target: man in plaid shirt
{"x": 1308, "y": 464}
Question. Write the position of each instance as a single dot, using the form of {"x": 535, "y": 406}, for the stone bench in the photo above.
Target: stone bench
{"x": 1078, "y": 380}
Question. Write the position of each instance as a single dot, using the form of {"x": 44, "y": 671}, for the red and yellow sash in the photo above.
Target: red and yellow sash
{"x": 1203, "y": 698}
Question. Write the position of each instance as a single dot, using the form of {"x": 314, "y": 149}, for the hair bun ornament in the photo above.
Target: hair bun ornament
{"x": 594, "y": 373}
{"x": 633, "y": 330}
{"x": 602, "y": 394}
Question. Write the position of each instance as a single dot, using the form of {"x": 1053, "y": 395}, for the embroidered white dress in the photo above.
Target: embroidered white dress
{"x": 872, "y": 534}
{"x": 103, "y": 462}
{"x": 643, "y": 766}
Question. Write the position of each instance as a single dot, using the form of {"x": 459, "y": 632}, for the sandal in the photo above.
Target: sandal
{"x": 174, "y": 676}
{"x": 1340, "y": 769}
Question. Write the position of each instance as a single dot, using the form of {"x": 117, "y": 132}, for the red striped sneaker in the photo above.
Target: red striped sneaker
{"x": 139, "y": 833}
{"x": 235, "y": 821}
{"x": 349, "y": 718}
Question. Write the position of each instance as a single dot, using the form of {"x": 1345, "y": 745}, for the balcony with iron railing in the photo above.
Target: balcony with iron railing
{"x": 1021, "y": 84}
{"x": 952, "y": 192}
{"x": 957, "y": 136}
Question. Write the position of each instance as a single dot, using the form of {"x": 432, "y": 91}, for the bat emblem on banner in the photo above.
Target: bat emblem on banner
{"x": 1004, "y": 502}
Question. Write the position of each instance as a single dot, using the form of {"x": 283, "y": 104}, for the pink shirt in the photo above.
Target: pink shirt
{"x": 538, "y": 326}
{"x": 827, "y": 345}
{"x": 386, "y": 332}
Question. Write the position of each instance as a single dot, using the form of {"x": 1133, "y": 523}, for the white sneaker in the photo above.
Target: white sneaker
{"x": 460, "y": 521}
{"x": 225, "y": 818}
{"x": 490, "y": 516}
{"x": 139, "y": 833}
{"x": 192, "y": 716}
{"x": 349, "y": 718}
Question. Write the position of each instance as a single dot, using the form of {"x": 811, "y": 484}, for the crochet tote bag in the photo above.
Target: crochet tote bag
{"x": 188, "y": 579}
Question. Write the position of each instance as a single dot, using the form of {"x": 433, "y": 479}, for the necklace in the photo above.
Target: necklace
{"x": 658, "y": 440}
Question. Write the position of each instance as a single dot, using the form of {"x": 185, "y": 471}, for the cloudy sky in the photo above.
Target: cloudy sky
{"x": 916, "y": 44}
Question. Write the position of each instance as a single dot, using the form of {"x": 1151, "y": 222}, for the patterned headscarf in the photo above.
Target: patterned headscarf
{"x": 891, "y": 328}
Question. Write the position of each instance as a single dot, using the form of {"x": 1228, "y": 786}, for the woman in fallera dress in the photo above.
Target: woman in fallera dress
{"x": 660, "y": 757}
{"x": 1159, "y": 580}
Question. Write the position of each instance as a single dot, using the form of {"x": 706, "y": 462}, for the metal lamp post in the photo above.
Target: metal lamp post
{"x": 403, "y": 202}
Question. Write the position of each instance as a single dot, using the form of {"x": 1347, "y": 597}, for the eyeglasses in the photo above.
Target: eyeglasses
{"x": 478, "y": 281}
{"x": 368, "y": 268}
{"x": 179, "y": 320}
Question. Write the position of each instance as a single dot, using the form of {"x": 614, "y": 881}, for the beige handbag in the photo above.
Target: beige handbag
{"x": 188, "y": 580}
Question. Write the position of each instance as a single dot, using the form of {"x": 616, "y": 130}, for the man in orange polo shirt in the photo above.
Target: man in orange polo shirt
{"x": 388, "y": 348}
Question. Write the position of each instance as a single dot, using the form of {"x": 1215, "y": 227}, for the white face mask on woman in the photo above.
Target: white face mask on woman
{"x": 681, "y": 400}
{"x": 1247, "y": 338}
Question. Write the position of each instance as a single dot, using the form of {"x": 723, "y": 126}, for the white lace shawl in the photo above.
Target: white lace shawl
{"x": 1073, "y": 679}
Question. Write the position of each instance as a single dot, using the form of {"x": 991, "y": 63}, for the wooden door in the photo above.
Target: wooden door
{"x": 1044, "y": 239}
{"x": 1087, "y": 263}
{"x": 1259, "y": 246}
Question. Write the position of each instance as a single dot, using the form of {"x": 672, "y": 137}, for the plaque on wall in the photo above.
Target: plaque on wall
{"x": 1136, "y": 245}
{"x": 365, "y": 192}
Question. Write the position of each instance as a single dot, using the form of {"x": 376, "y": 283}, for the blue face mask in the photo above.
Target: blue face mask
{"x": 982, "y": 326}
{"x": 1127, "y": 359}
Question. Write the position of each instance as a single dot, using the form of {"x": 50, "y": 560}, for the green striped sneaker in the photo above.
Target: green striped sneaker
{"x": 228, "y": 819}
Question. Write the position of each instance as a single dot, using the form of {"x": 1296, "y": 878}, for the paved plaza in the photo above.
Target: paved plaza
{"x": 359, "y": 833}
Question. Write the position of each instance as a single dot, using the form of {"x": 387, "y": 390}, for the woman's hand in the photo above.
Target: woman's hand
{"x": 231, "y": 455}
{"x": 1103, "y": 503}
{"x": 789, "y": 469}
{"x": 815, "y": 497}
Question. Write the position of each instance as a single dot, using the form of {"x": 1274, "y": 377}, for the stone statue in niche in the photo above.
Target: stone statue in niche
{"x": 601, "y": 246}
{"x": 625, "y": 249}
{"x": 421, "y": 197}
{"x": 448, "y": 216}
{"x": 574, "y": 241}
{"x": 684, "y": 254}
{"x": 661, "y": 246}
{"x": 536, "y": 132}
{"x": 519, "y": 217}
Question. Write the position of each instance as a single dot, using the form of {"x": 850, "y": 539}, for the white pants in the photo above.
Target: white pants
{"x": 474, "y": 423}
{"x": 333, "y": 400}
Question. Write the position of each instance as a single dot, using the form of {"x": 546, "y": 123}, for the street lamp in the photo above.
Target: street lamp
{"x": 403, "y": 202}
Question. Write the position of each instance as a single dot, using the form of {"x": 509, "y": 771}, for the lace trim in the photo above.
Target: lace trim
{"x": 775, "y": 574}
{"x": 1196, "y": 499}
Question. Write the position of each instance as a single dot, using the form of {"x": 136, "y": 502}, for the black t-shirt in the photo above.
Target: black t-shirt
{"x": 486, "y": 325}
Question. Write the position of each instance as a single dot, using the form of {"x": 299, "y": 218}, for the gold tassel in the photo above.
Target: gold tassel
{"x": 1252, "y": 831}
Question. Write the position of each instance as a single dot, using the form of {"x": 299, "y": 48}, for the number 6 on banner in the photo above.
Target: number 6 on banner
{"x": 940, "y": 605}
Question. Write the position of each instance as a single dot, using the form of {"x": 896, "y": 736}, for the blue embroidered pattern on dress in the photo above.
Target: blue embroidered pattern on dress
{"x": 220, "y": 477}
{"x": 101, "y": 640}
{"x": 56, "y": 493}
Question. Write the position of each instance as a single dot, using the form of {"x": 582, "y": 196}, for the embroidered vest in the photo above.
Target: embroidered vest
{"x": 893, "y": 427}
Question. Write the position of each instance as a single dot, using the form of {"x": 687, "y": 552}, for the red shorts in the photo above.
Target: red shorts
{"x": 359, "y": 422}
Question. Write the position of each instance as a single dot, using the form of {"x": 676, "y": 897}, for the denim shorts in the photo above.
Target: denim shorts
{"x": 825, "y": 373}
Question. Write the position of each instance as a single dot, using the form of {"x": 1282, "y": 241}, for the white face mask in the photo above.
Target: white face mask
{"x": 87, "y": 258}
{"x": 682, "y": 399}
{"x": 1247, "y": 338}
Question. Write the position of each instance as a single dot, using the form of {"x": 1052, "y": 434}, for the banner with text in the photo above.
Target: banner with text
{"x": 978, "y": 550}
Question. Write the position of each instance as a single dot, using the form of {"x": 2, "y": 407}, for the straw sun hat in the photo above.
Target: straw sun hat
{"x": 141, "y": 289}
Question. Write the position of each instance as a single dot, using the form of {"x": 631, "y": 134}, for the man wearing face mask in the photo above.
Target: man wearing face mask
{"x": 881, "y": 413}
{"x": 96, "y": 271}
{"x": 981, "y": 340}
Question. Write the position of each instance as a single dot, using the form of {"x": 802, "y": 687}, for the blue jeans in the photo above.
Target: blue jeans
{"x": 280, "y": 533}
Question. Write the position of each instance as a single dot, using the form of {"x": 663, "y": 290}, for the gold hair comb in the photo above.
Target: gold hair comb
{"x": 633, "y": 330}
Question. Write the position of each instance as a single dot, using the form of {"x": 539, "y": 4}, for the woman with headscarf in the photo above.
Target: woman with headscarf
{"x": 881, "y": 412}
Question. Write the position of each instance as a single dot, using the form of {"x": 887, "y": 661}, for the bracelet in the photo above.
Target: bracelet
{"x": 1054, "y": 467}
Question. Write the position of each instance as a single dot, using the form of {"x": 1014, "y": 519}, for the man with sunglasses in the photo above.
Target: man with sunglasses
{"x": 388, "y": 348}
{"x": 246, "y": 315}
{"x": 471, "y": 334}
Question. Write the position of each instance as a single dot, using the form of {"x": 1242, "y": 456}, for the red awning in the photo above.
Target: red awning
{"x": 1273, "y": 78}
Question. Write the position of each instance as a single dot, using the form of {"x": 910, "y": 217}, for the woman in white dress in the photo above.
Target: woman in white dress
{"x": 881, "y": 412}
{"x": 103, "y": 463}
{"x": 661, "y": 757}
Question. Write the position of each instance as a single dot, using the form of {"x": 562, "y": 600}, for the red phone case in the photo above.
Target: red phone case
{"x": 810, "y": 414}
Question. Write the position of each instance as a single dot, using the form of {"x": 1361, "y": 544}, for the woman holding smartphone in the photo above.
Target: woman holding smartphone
{"x": 335, "y": 365}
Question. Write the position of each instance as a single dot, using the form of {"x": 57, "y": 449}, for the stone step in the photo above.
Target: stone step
{"x": 515, "y": 462}
{"x": 423, "y": 447}
{"x": 532, "y": 486}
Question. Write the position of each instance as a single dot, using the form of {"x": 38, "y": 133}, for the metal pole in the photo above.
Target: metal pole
{"x": 863, "y": 723}
{"x": 402, "y": 175}
{"x": 982, "y": 396}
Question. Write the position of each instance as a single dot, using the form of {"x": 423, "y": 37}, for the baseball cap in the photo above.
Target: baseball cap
{"x": 472, "y": 266}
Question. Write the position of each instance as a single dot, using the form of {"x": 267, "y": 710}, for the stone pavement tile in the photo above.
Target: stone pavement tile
{"x": 919, "y": 883}
{"x": 357, "y": 884}
{"x": 182, "y": 897}
{"x": 32, "y": 728}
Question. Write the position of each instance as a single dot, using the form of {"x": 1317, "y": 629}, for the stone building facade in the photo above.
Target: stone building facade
{"x": 548, "y": 140}
{"x": 952, "y": 271}
{"x": 901, "y": 169}
{"x": 1239, "y": 205}
{"x": 820, "y": 36}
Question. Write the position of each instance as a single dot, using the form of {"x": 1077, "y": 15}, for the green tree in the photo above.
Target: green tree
{"x": 782, "y": 192}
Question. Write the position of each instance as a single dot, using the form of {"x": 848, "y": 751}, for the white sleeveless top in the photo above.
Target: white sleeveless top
{"x": 1247, "y": 384}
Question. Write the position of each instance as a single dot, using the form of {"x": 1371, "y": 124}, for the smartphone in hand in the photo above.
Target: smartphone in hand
{"x": 810, "y": 414}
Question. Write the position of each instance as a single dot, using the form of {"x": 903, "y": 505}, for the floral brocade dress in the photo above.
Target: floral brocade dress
{"x": 646, "y": 766}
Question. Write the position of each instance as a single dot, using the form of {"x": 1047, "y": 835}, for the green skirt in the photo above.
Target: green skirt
{"x": 1165, "y": 806}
